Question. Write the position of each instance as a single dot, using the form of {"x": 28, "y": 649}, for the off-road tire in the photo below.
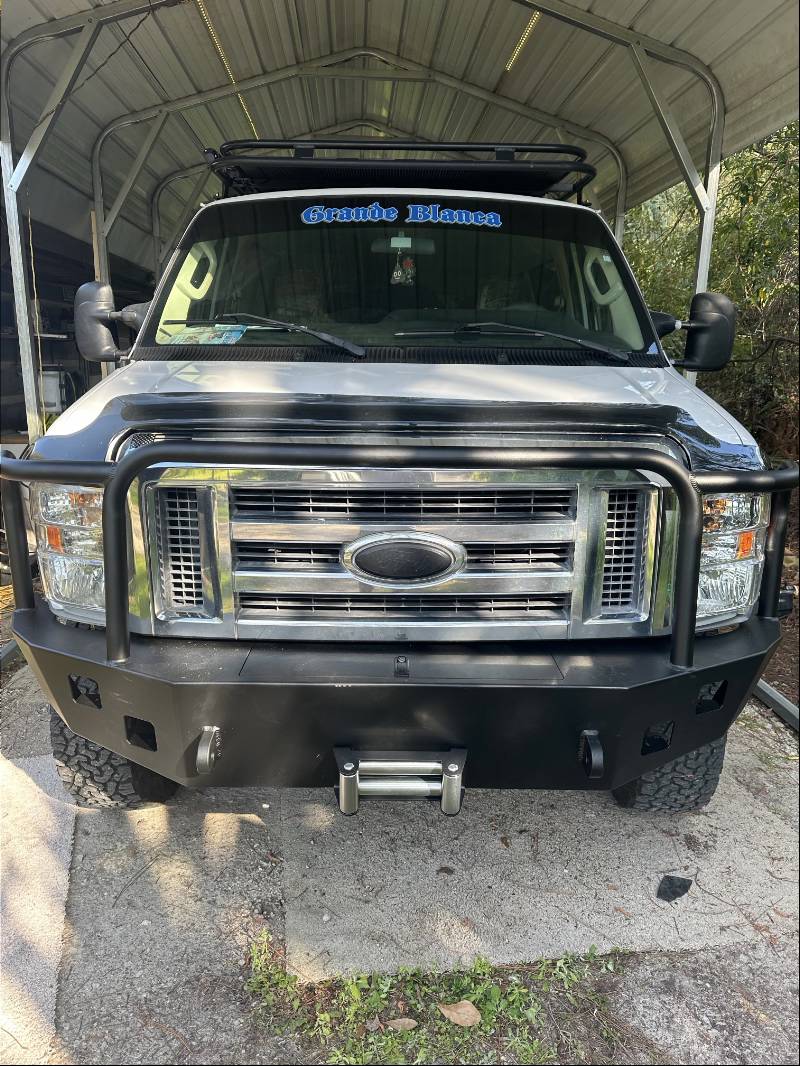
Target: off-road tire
{"x": 97, "y": 777}
{"x": 685, "y": 784}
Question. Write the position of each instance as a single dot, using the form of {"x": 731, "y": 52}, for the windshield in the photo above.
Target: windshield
{"x": 400, "y": 272}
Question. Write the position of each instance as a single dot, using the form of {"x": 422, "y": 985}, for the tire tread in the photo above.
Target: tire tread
{"x": 684, "y": 784}
{"x": 97, "y": 777}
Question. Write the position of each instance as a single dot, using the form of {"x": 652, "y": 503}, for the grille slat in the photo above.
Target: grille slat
{"x": 423, "y": 607}
{"x": 325, "y": 557}
{"x": 365, "y": 504}
{"x": 178, "y": 533}
{"x": 623, "y": 569}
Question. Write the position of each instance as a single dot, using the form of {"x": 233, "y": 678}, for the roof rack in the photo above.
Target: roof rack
{"x": 246, "y": 167}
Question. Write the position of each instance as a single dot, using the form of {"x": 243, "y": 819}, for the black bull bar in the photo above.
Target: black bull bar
{"x": 117, "y": 478}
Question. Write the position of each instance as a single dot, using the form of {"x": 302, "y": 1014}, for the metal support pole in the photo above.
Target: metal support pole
{"x": 55, "y": 102}
{"x": 138, "y": 165}
{"x": 672, "y": 132}
{"x": 704, "y": 194}
{"x": 22, "y": 300}
{"x": 777, "y": 702}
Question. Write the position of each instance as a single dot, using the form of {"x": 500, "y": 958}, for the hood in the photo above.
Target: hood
{"x": 149, "y": 395}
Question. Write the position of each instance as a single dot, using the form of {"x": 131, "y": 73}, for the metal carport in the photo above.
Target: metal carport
{"x": 105, "y": 110}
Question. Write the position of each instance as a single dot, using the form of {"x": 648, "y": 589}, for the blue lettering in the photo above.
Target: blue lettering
{"x": 312, "y": 214}
{"x": 376, "y": 212}
{"x": 418, "y": 213}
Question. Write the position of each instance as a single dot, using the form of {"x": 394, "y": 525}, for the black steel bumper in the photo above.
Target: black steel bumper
{"x": 522, "y": 711}
{"x": 519, "y": 709}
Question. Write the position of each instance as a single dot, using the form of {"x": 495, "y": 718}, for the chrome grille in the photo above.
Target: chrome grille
{"x": 623, "y": 556}
{"x": 178, "y": 533}
{"x": 365, "y": 504}
{"x": 386, "y": 607}
{"x": 258, "y": 553}
{"x": 293, "y": 556}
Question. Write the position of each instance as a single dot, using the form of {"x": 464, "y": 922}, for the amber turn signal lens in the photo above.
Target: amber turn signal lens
{"x": 54, "y": 540}
{"x": 745, "y": 544}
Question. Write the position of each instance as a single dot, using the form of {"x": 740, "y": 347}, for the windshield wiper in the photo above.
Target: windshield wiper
{"x": 273, "y": 323}
{"x": 500, "y": 328}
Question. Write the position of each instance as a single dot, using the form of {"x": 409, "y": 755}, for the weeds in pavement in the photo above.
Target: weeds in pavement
{"x": 545, "y": 1012}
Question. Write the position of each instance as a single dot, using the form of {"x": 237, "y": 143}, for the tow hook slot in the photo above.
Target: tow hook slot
{"x": 209, "y": 749}
{"x": 591, "y": 753}
{"x": 400, "y": 774}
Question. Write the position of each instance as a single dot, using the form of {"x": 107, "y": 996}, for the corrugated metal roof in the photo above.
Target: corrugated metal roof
{"x": 576, "y": 76}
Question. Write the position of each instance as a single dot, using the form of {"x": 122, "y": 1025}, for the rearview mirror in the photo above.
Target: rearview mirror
{"x": 412, "y": 245}
{"x": 711, "y": 330}
{"x": 94, "y": 309}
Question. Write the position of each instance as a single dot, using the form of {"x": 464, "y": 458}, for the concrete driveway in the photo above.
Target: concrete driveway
{"x": 124, "y": 934}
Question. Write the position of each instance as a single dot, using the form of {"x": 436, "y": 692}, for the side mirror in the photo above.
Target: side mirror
{"x": 94, "y": 309}
{"x": 711, "y": 330}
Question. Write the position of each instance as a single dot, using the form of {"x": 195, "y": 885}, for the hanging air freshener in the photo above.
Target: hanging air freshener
{"x": 397, "y": 273}
{"x": 409, "y": 270}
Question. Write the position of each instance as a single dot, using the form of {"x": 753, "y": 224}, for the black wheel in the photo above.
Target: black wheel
{"x": 97, "y": 777}
{"x": 685, "y": 784}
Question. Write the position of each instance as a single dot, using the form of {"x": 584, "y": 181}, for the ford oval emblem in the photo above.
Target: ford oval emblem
{"x": 403, "y": 558}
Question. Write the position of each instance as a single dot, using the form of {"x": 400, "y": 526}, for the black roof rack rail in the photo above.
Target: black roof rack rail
{"x": 244, "y": 166}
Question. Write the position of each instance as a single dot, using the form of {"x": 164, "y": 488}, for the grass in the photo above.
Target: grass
{"x": 545, "y": 1012}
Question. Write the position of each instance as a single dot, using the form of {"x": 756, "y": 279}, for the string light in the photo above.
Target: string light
{"x": 212, "y": 33}
{"x": 521, "y": 42}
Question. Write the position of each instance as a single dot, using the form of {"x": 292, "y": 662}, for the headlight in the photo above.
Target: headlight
{"x": 69, "y": 539}
{"x": 734, "y": 532}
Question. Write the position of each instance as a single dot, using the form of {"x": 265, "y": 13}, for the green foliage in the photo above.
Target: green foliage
{"x": 755, "y": 262}
{"x": 528, "y": 1014}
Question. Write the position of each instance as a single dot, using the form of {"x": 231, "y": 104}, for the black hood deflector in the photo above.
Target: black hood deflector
{"x": 179, "y": 414}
